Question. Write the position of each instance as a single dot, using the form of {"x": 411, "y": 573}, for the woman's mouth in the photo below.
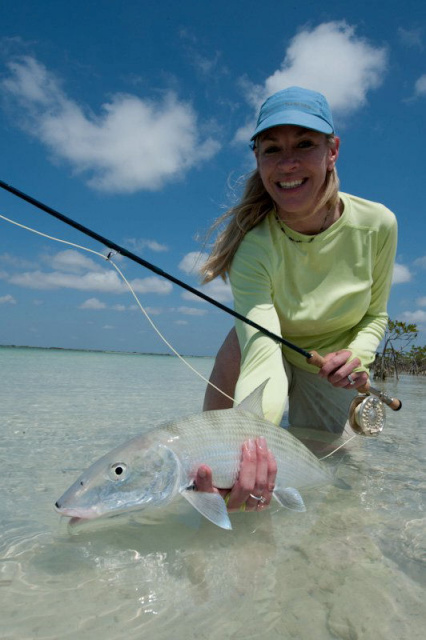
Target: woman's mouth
{"x": 291, "y": 184}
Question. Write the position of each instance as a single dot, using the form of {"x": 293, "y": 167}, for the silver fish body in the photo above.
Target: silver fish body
{"x": 152, "y": 469}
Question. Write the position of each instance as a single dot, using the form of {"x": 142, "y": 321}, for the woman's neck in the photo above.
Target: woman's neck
{"x": 313, "y": 224}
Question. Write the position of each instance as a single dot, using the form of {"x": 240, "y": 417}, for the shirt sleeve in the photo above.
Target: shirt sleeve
{"x": 261, "y": 357}
{"x": 368, "y": 333}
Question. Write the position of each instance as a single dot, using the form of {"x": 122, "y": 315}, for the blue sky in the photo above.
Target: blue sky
{"x": 133, "y": 118}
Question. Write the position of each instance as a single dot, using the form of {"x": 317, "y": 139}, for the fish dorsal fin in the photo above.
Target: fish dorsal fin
{"x": 253, "y": 402}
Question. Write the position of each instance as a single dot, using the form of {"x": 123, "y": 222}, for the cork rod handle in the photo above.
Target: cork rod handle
{"x": 393, "y": 403}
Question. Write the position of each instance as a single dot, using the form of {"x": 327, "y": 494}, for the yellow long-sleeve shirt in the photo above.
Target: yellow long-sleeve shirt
{"x": 327, "y": 294}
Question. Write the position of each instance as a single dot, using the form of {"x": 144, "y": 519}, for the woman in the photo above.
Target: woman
{"x": 309, "y": 263}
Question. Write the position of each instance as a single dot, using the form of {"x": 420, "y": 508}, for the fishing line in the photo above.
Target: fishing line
{"x": 148, "y": 265}
{"x": 337, "y": 448}
{"x": 132, "y": 291}
{"x": 108, "y": 258}
{"x": 365, "y": 414}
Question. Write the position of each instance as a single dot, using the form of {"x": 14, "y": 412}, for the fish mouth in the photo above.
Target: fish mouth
{"x": 75, "y": 513}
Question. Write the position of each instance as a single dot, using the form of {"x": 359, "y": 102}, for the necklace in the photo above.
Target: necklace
{"x": 300, "y": 241}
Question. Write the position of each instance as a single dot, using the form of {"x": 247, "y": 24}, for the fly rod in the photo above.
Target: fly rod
{"x": 312, "y": 357}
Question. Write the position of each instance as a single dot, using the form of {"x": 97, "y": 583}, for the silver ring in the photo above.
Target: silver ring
{"x": 351, "y": 380}
{"x": 260, "y": 499}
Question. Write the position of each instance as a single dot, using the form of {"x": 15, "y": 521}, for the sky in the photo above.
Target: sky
{"x": 133, "y": 118}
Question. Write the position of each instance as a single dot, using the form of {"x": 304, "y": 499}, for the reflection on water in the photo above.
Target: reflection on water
{"x": 351, "y": 567}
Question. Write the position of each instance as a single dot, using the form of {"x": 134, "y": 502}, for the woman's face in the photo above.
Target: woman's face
{"x": 293, "y": 163}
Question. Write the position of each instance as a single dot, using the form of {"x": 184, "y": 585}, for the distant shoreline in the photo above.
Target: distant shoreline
{"x": 114, "y": 352}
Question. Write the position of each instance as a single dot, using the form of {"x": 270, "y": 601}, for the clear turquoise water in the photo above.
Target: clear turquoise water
{"x": 352, "y": 567}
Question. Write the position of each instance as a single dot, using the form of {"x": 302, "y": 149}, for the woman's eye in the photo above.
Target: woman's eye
{"x": 270, "y": 150}
{"x": 305, "y": 144}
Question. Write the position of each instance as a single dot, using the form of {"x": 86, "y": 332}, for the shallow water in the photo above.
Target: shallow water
{"x": 352, "y": 567}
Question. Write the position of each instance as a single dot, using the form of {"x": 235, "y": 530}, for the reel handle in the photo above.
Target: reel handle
{"x": 395, "y": 404}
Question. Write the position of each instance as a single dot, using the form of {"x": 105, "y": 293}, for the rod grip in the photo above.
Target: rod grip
{"x": 319, "y": 361}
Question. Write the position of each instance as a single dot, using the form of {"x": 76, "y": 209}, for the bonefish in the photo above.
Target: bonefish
{"x": 153, "y": 469}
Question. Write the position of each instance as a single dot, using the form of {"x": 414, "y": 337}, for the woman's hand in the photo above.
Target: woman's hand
{"x": 340, "y": 373}
{"x": 255, "y": 482}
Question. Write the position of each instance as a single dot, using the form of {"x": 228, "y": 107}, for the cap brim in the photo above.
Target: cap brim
{"x": 295, "y": 118}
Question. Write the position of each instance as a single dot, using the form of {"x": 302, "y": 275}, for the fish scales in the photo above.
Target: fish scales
{"x": 215, "y": 439}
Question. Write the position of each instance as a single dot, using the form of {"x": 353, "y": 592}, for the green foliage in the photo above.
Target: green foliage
{"x": 395, "y": 356}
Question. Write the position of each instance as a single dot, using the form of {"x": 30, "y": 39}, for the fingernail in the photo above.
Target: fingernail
{"x": 251, "y": 445}
{"x": 201, "y": 473}
{"x": 261, "y": 443}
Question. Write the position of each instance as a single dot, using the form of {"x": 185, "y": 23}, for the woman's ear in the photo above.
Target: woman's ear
{"x": 333, "y": 153}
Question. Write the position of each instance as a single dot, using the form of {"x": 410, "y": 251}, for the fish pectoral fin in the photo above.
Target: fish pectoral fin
{"x": 290, "y": 498}
{"x": 211, "y": 505}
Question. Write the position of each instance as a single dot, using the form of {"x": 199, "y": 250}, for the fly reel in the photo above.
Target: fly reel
{"x": 367, "y": 415}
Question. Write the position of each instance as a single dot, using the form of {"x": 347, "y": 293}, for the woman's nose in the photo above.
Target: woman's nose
{"x": 288, "y": 159}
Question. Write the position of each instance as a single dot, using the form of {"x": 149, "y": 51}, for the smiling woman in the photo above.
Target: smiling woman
{"x": 293, "y": 164}
{"x": 309, "y": 263}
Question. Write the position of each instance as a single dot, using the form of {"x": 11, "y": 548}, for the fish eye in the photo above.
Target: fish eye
{"x": 118, "y": 471}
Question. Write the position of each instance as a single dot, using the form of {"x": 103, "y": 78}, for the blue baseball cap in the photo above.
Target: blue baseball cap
{"x": 297, "y": 106}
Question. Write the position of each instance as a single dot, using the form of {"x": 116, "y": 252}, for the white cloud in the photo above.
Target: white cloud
{"x": 105, "y": 281}
{"x": 72, "y": 261}
{"x": 95, "y": 303}
{"x": 138, "y": 245}
{"x": 151, "y": 285}
{"x": 420, "y": 86}
{"x": 8, "y": 299}
{"x": 421, "y": 302}
{"x": 133, "y": 144}
{"x": 152, "y": 311}
{"x": 411, "y": 37}
{"x": 16, "y": 261}
{"x": 76, "y": 271}
{"x": 216, "y": 289}
{"x": 192, "y": 311}
{"x": 420, "y": 262}
{"x": 219, "y": 290}
{"x": 331, "y": 59}
{"x": 92, "y": 303}
{"x": 401, "y": 274}
{"x": 415, "y": 317}
{"x": 192, "y": 262}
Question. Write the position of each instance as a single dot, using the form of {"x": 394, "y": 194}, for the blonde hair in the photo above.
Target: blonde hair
{"x": 253, "y": 207}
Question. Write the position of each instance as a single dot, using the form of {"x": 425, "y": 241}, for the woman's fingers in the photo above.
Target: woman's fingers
{"x": 341, "y": 373}
{"x": 203, "y": 480}
{"x": 272, "y": 474}
{"x": 247, "y": 476}
{"x": 256, "y": 479}
{"x": 256, "y": 498}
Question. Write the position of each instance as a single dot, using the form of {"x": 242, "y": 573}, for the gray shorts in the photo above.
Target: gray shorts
{"x": 313, "y": 403}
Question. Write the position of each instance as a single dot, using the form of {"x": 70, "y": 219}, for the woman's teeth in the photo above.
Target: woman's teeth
{"x": 290, "y": 185}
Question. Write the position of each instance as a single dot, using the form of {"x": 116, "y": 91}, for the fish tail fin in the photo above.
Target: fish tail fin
{"x": 334, "y": 470}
